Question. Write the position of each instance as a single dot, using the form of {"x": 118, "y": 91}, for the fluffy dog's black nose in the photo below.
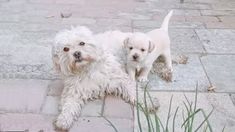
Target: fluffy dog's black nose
{"x": 135, "y": 57}
{"x": 77, "y": 54}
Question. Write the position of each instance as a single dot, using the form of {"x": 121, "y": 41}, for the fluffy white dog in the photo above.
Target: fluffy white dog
{"x": 144, "y": 48}
{"x": 89, "y": 71}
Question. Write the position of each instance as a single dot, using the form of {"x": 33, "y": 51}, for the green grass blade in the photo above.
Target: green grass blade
{"x": 138, "y": 111}
{"x": 185, "y": 105}
{"x": 146, "y": 116}
{"x": 185, "y": 126}
{"x": 195, "y": 107}
{"x": 205, "y": 120}
{"x": 193, "y": 114}
{"x": 208, "y": 123}
{"x": 110, "y": 123}
{"x": 223, "y": 129}
{"x": 168, "y": 115}
{"x": 157, "y": 120}
{"x": 174, "y": 118}
{"x": 195, "y": 101}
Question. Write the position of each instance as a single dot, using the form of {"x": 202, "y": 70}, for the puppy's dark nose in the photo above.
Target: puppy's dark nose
{"x": 77, "y": 54}
{"x": 135, "y": 56}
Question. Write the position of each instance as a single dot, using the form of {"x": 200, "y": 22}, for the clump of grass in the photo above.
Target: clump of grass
{"x": 154, "y": 123}
{"x": 188, "y": 118}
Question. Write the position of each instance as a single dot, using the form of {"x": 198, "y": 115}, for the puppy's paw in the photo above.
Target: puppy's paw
{"x": 142, "y": 79}
{"x": 167, "y": 75}
{"x": 61, "y": 124}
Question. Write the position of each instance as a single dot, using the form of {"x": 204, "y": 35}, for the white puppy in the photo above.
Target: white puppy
{"x": 144, "y": 48}
{"x": 88, "y": 71}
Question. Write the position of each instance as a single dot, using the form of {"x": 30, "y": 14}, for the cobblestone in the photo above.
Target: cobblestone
{"x": 22, "y": 95}
{"x": 26, "y": 122}
{"x": 216, "y": 40}
{"x": 123, "y": 111}
{"x": 221, "y": 71}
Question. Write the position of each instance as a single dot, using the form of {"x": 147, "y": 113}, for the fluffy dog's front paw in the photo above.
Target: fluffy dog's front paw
{"x": 62, "y": 124}
{"x": 142, "y": 79}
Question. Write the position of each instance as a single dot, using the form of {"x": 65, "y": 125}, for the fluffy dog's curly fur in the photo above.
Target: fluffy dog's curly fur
{"x": 88, "y": 71}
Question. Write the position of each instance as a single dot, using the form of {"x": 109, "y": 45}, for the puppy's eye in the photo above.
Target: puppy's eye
{"x": 66, "y": 49}
{"x": 142, "y": 50}
{"x": 130, "y": 48}
{"x": 82, "y": 43}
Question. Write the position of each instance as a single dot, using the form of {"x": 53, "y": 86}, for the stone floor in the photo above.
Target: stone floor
{"x": 203, "y": 30}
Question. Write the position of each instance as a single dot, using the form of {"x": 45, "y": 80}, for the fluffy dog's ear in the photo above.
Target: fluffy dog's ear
{"x": 151, "y": 46}
{"x": 55, "y": 59}
{"x": 125, "y": 42}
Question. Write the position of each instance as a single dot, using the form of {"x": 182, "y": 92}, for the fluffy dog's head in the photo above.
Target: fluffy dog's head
{"x": 74, "y": 50}
{"x": 138, "y": 46}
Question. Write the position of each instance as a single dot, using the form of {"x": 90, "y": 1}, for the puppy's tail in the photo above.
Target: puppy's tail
{"x": 165, "y": 22}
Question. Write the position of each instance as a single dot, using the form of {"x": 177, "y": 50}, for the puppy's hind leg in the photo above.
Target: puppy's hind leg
{"x": 168, "y": 60}
{"x": 167, "y": 74}
{"x": 70, "y": 110}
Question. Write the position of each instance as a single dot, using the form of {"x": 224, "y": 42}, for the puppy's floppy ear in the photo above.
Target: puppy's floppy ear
{"x": 125, "y": 42}
{"x": 151, "y": 47}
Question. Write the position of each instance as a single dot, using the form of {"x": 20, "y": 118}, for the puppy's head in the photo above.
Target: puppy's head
{"x": 138, "y": 46}
{"x": 74, "y": 50}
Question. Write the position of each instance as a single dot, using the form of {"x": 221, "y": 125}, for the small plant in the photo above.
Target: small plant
{"x": 188, "y": 118}
{"x": 154, "y": 123}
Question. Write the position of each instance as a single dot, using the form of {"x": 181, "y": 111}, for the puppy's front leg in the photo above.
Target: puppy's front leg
{"x": 70, "y": 110}
{"x": 143, "y": 76}
{"x": 131, "y": 72}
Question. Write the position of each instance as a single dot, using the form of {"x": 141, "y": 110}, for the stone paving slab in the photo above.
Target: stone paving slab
{"x": 51, "y": 105}
{"x": 182, "y": 40}
{"x": 218, "y": 12}
{"x": 144, "y": 25}
{"x": 26, "y": 122}
{"x": 222, "y": 115}
{"x": 117, "y": 108}
{"x": 91, "y": 124}
{"x": 22, "y": 95}
{"x": 217, "y": 41}
{"x": 221, "y": 71}
{"x": 93, "y": 108}
{"x": 55, "y": 88}
{"x": 185, "y": 77}
{"x": 185, "y": 41}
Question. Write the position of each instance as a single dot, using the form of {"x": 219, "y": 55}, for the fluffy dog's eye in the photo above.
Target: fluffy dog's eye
{"x": 130, "y": 48}
{"x": 142, "y": 50}
{"x": 82, "y": 43}
{"x": 66, "y": 49}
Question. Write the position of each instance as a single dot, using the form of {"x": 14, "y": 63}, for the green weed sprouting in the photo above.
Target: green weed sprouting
{"x": 154, "y": 123}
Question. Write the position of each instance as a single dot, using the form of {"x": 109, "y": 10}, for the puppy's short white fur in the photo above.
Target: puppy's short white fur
{"x": 89, "y": 72}
{"x": 144, "y": 48}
